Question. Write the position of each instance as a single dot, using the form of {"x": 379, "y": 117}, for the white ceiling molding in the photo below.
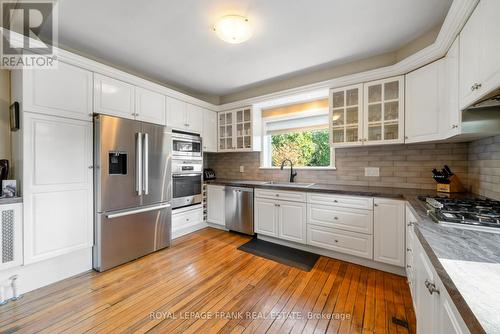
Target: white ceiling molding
{"x": 94, "y": 66}
{"x": 456, "y": 18}
{"x": 458, "y": 14}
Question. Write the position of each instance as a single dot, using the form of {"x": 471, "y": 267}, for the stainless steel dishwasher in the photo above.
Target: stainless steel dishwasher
{"x": 239, "y": 209}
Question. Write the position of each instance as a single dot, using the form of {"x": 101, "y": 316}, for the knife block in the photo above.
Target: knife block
{"x": 455, "y": 186}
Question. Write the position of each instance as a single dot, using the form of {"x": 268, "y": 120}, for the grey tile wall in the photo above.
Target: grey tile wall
{"x": 484, "y": 167}
{"x": 407, "y": 166}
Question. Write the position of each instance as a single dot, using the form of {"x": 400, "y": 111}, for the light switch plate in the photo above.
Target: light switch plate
{"x": 242, "y": 169}
{"x": 372, "y": 171}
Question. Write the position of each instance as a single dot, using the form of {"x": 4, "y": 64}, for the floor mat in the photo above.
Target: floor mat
{"x": 282, "y": 254}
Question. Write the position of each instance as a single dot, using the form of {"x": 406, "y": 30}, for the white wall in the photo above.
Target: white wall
{"x": 4, "y": 114}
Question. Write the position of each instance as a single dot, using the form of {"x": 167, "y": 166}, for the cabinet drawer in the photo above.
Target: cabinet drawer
{"x": 185, "y": 219}
{"x": 355, "y": 202}
{"x": 281, "y": 195}
{"x": 352, "y": 243}
{"x": 354, "y": 220}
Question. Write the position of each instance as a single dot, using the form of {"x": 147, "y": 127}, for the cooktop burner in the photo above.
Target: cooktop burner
{"x": 472, "y": 212}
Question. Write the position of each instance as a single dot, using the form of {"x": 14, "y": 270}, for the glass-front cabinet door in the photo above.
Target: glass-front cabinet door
{"x": 384, "y": 111}
{"x": 345, "y": 115}
{"x": 226, "y": 134}
{"x": 243, "y": 129}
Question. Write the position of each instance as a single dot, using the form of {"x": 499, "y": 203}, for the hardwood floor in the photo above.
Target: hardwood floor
{"x": 204, "y": 275}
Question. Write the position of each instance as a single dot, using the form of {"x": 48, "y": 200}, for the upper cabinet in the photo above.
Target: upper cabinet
{"x": 150, "y": 106}
{"x": 209, "y": 133}
{"x": 239, "y": 130}
{"x": 184, "y": 116}
{"x": 422, "y": 103}
{"x": 113, "y": 97}
{"x": 346, "y": 114}
{"x": 384, "y": 111}
{"x": 65, "y": 91}
{"x": 479, "y": 50}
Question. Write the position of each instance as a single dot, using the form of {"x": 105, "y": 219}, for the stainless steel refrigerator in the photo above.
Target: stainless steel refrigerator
{"x": 132, "y": 162}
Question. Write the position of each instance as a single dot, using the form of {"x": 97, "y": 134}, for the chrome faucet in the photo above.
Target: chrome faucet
{"x": 292, "y": 173}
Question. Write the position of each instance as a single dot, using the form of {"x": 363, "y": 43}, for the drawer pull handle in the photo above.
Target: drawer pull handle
{"x": 408, "y": 250}
{"x": 336, "y": 218}
{"x": 336, "y": 240}
{"x": 335, "y": 201}
{"x": 277, "y": 195}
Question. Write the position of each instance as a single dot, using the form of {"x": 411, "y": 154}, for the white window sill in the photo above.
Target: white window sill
{"x": 300, "y": 168}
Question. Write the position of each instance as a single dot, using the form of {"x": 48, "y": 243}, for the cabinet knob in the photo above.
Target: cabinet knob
{"x": 408, "y": 266}
{"x": 336, "y": 240}
{"x": 454, "y": 126}
{"x": 91, "y": 167}
{"x": 410, "y": 223}
{"x": 406, "y": 137}
{"x": 336, "y": 218}
{"x": 335, "y": 201}
{"x": 408, "y": 249}
{"x": 375, "y": 204}
{"x": 277, "y": 195}
{"x": 431, "y": 287}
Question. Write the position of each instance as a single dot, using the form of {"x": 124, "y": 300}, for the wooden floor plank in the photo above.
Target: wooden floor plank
{"x": 203, "y": 273}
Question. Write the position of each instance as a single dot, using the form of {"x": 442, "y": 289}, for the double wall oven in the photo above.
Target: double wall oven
{"x": 187, "y": 170}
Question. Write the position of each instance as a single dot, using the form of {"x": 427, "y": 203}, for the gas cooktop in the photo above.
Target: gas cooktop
{"x": 474, "y": 213}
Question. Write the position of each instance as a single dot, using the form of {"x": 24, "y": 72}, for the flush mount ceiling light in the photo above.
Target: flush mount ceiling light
{"x": 233, "y": 29}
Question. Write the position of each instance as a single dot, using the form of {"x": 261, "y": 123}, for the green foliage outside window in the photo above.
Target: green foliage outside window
{"x": 305, "y": 149}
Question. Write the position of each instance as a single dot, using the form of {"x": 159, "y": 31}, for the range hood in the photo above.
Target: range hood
{"x": 482, "y": 119}
{"x": 491, "y": 100}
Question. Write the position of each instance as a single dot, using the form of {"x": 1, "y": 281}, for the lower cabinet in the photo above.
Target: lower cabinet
{"x": 436, "y": 313}
{"x": 389, "y": 231}
{"x": 353, "y": 243}
{"x": 187, "y": 220}
{"x": 281, "y": 219}
{"x": 215, "y": 205}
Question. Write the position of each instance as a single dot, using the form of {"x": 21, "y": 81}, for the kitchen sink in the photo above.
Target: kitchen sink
{"x": 289, "y": 184}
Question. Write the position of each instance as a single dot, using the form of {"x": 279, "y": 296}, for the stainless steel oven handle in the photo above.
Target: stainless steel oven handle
{"x": 133, "y": 212}
{"x": 138, "y": 163}
{"x": 145, "y": 165}
{"x": 181, "y": 175}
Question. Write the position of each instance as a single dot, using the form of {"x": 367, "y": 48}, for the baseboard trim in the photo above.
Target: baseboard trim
{"x": 190, "y": 229}
{"x": 339, "y": 256}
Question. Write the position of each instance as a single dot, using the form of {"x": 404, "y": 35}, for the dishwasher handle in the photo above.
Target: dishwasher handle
{"x": 239, "y": 189}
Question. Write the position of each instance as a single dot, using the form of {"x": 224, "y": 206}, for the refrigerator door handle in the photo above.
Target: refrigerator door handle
{"x": 138, "y": 163}
{"x": 145, "y": 165}
{"x": 141, "y": 210}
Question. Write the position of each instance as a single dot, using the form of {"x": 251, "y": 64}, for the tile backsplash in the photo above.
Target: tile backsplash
{"x": 407, "y": 166}
{"x": 484, "y": 167}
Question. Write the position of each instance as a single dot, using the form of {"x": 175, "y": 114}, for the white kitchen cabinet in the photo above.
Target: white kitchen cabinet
{"x": 357, "y": 244}
{"x": 383, "y": 111}
{"x": 341, "y": 201}
{"x": 209, "y": 132}
{"x": 176, "y": 114}
{"x": 479, "y": 50}
{"x": 292, "y": 221}
{"x": 65, "y": 91}
{"x": 423, "y": 103}
{"x": 450, "y": 321}
{"x": 184, "y": 116}
{"x": 410, "y": 252}
{"x": 354, "y": 220}
{"x": 265, "y": 217}
{"x": 281, "y": 219}
{"x": 284, "y": 195}
{"x": 194, "y": 118}
{"x": 113, "y": 97}
{"x": 187, "y": 220}
{"x": 389, "y": 231}
{"x": 346, "y": 115}
{"x": 451, "y": 115}
{"x": 57, "y": 185}
{"x": 239, "y": 130}
{"x": 11, "y": 229}
{"x": 215, "y": 204}
{"x": 150, "y": 106}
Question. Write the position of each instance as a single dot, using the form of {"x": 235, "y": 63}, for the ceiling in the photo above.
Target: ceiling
{"x": 172, "y": 42}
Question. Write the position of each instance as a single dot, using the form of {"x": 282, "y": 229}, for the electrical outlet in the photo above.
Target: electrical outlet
{"x": 372, "y": 171}
{"x": 242, "y": 169}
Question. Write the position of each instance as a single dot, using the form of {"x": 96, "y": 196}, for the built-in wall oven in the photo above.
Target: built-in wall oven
{"x": 186, "y": 146}
{"x": 187, "y": 170}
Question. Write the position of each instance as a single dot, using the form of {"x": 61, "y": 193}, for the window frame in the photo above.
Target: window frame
{"x": 265, "y": 155}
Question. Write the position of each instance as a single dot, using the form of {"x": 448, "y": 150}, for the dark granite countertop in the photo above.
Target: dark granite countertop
{"x": 466, "y": 261}
{"x": 386, "y": 192}
{"x": 10, "y": 200}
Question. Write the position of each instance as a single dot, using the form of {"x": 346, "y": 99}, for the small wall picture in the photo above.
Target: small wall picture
{"x": 9, "y": 188}
{"x": 14, "y": 116}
